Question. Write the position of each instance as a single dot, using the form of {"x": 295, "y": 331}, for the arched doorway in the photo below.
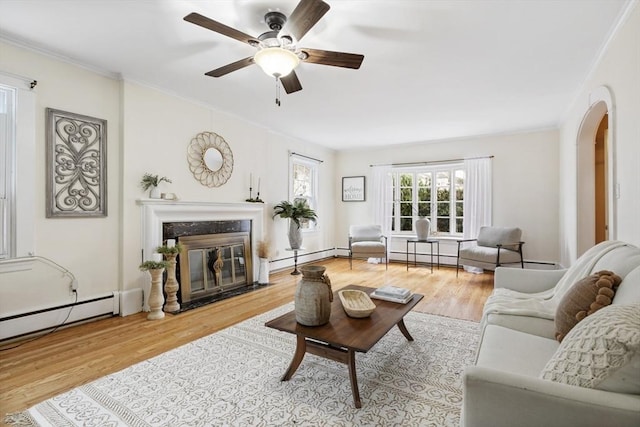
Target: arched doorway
{"x": 600, "y": 165}
{"x": 595, "y": 173}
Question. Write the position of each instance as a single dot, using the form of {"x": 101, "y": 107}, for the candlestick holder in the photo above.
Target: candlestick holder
{"x": 251, "y": 199}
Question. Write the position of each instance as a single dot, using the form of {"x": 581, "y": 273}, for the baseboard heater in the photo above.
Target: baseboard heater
{"x": 23, "y": 324}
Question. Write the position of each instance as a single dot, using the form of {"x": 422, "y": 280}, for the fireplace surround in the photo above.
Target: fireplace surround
{"x": 156, "y": 213}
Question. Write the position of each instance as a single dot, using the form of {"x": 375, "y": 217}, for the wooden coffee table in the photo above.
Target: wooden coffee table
{"x": 343, "y": 336}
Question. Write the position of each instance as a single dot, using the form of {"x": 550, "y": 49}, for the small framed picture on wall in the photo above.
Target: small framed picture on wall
{"x": 353, "y": 189}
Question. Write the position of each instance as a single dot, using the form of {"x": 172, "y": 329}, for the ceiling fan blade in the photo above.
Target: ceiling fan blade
{"x": 234, "y": 66}
{"x": 210, "y": 24}
{"x": 290, "y": 82}
{"x": 336, "y": 59}
{"x": 306, "y": 14}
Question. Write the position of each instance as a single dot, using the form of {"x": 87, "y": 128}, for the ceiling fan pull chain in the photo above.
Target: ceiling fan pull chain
{"x": 277, "y": 91}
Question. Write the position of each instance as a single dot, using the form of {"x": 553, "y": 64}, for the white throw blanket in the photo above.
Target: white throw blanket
{"x": 544, "y": 304}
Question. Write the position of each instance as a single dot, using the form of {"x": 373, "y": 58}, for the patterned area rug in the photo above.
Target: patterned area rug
{"x": 232, "y": 378}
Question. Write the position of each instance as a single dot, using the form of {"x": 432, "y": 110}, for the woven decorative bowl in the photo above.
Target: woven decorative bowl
{"x": 356, "y": 303}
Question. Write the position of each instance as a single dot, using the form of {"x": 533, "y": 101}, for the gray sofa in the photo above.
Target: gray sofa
{"x": 505, "y": 387}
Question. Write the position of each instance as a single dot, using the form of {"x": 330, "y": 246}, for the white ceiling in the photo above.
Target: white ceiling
{"x": 433, "y": 69}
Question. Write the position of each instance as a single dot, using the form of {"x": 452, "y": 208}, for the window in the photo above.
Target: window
{"x": 17, "y": 174}
{"x": 434, "y": 192}
{"x": 7, "y": 168}
{"x": 304, "y": 184}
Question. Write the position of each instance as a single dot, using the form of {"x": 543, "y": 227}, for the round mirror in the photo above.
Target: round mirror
{"x": 213, "y": 159}
{"x": 210, "y": 159}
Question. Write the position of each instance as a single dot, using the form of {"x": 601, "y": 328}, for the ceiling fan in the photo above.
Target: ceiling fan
{"x": 278, "y": 54}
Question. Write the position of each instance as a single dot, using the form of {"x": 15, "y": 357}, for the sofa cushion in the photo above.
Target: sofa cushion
{"x": 513, "y": 351}
{"x": 629, "y": 290}
{"x": 600, "y": 352}
{"x": 622, "y": 260}
{"x": 533, "y": 325}
{"x": 585, "y": 297}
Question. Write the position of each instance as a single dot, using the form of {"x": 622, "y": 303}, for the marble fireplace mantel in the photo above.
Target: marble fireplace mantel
{"x": 155, "y": 212}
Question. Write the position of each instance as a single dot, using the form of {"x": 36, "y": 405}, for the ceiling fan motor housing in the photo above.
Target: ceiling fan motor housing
{"x": 275, "y": 20}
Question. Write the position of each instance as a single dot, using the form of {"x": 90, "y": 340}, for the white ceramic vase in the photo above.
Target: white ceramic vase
{"x": 263, "y": 274}
{"x": 295, "y": 235}
{"x": 422, "y": 226}
{"x": 154, "y": 193}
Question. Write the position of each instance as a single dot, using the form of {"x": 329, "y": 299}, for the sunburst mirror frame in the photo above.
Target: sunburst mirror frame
{"x": 197, "y": 158}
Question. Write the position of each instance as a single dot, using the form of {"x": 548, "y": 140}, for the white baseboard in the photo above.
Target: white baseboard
{"x": 40, "y": 320}
{"x": 130, "y": 301}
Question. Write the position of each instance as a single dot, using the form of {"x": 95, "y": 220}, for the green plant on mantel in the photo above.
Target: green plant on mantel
{"x": 296, "y": 211}
{"x": 153, "y": 265}
{"x": 149, "y": 180}
{"x": 166, "y": 250}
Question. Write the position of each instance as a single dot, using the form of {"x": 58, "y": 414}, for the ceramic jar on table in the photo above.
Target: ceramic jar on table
{"x": 313, "y": 297}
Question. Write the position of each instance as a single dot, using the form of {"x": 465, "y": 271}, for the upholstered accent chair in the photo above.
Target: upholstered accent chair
{"x": 367, "y": 241}
{"x": 494, "y": 246}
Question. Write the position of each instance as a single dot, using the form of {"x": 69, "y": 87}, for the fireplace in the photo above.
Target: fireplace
{"x": 214, "y": 263}
{"x": 215, "y": 256}
{"x": 222, "y": 233}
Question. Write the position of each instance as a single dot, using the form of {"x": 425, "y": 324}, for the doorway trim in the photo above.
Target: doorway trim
{"x": 600, "y": 103}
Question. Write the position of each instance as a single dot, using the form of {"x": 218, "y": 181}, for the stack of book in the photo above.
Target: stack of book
{"x": 393, "y": 294}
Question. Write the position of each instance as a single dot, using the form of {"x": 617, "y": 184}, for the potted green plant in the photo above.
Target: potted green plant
{"x": 150, "y": 181}
{"x": 169, "y": 250}
{"x": 153, "y": 265}
{"x": 296, "y": 211}
{"x": 155, "y": 297}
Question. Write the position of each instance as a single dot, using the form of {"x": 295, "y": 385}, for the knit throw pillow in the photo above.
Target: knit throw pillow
{"x": 585, "y": 297}
{"x": 602, "y": 351}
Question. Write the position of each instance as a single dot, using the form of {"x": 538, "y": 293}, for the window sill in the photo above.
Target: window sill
{"x": 16, "y": 264}
{"x": 431, "y": 236}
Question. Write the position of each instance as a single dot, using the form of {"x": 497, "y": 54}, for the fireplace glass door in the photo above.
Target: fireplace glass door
{"x": 214, "y": 263}
{"x": 213, "y": 269}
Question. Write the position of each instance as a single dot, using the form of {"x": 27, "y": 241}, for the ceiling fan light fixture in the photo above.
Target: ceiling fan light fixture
{"x": 276, "y": 61}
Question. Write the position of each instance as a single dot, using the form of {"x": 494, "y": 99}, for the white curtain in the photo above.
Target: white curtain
{"x": 477, "y": 198}
{"x": 382, "y": 195}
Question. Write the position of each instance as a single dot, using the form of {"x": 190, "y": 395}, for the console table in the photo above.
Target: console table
{"x": 430, "y": 242}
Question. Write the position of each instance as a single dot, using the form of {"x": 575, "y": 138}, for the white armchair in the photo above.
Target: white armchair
{"x": 367, "y": 241}
{"x": 494, "y": 246}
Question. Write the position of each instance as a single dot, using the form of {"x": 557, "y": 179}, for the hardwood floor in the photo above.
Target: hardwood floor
{"x": 70, "y": 357}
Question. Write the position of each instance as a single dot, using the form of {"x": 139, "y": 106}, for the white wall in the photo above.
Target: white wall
{"x": 86, "y": 246}
{"x": 148, "y": 131}
{"x": 525, "y": 184}
{"x": 618, "y": 70}
{"x": 157, "y": 129}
